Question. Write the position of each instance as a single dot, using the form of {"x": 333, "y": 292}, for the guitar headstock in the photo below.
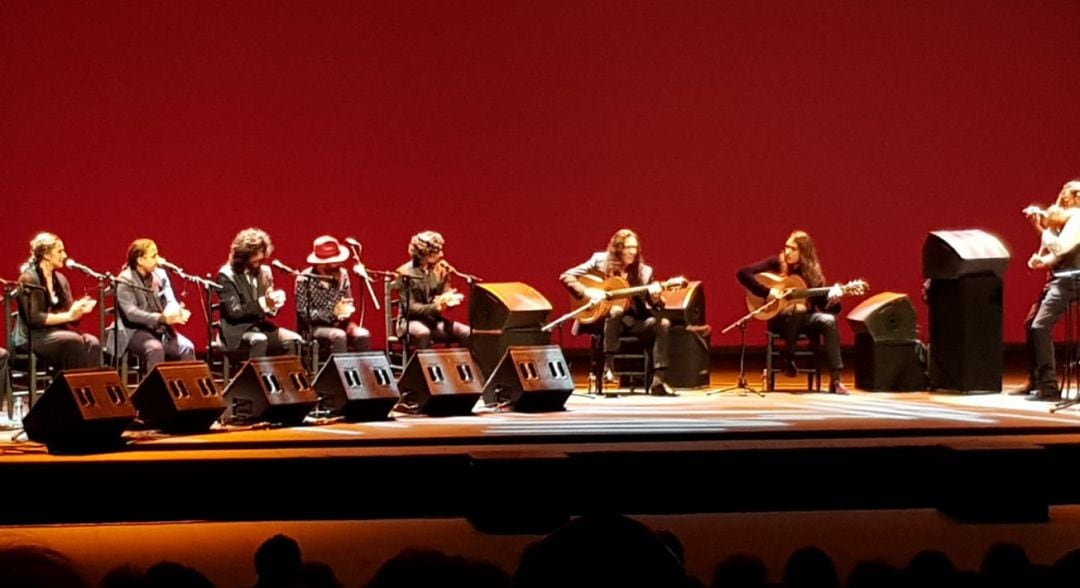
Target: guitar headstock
{"x": 675, "y": 283}
{"x": 855, "y": 288}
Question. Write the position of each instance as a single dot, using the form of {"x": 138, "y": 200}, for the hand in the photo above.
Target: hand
{"x": 655, "y": 289}
{"x": 776, "y": 294}
{"x": 835, "y": 294}
{"x": 1037, "y": 262}
{"x": 344, "y": 309}
{"x": 174, "y": 314}
{"x": 275, "y": 299}
{"x": 449, "y": 299}
{"x": 82, "y": 306}
{"x": 1033, "y": 211}
{"x": 595, "y": 294}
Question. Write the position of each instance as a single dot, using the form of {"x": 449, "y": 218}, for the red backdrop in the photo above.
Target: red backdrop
{"x": 528, "y": 132}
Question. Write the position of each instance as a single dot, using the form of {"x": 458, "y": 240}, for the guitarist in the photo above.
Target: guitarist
{"x": 623, "y": 258}
{"x": 816, "y": 316}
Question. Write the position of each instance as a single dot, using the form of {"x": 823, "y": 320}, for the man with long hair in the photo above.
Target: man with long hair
{"x": 815, "y": 317}
{"x": 623, "y": 258}
{"x": 249, "y": 299}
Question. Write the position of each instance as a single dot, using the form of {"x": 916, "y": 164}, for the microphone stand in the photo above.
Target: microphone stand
{"x": 742, "y": 386}
{"x": 363, "y": 276}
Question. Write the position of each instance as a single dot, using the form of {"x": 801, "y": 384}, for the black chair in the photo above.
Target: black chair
{"x": 806, "y": 357}
{"x": 28, "y": 376}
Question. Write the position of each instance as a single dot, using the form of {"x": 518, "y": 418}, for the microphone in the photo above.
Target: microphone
{"x": 169, "y": 265}
{"x": 354, "y": 243}
{"x": 467, "y": 277}
{"x": 72, "y": 264}
{"x": 281, "y": 266}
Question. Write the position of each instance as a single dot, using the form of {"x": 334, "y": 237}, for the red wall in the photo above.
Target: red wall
{"x": 528, "y": 132}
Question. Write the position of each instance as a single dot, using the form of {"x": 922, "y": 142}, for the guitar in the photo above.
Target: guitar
{"x": 617, "y": 293}
{"x": 795, "y": 290}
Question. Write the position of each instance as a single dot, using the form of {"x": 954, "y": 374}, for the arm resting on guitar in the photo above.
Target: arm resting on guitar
{"x": 569, "y": 278}
{"x": 746, "y": 275}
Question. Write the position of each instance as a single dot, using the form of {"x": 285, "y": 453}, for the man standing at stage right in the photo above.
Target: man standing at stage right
{"x": 1059, "y": 251}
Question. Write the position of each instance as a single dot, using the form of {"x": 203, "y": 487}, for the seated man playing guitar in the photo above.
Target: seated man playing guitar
{"x": 814, "y": 316}
{"x": 623, "y": 259}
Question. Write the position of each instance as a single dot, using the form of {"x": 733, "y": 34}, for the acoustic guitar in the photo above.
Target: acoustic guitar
{"x": 795, "y": 292}
{"x": 617, "y": 291}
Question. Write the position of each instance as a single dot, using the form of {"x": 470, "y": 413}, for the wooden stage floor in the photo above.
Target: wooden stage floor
{"x": 732, "y": 452}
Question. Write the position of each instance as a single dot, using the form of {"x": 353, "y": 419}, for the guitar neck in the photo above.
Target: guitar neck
{"x": 627, "y": 292}
{"x": 809, "y": 292}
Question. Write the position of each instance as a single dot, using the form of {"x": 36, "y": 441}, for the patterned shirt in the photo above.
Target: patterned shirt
{"x": 316, "y": 299}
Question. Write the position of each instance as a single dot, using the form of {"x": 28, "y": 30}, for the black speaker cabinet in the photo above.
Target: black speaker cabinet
{"x": 685, "y": 306}
{"x": 81, "y": 411}
{"x": 888, "y": 316}
{"x": 270, "y": 389}
{"x": 966, "y": 349}
{"x": 179, "y": 397}
{"x": 507, "y": 305}
{"x": 531, "y": 379}
{"x": 357, "y": 386}
{"x": 441, "y": 382}
{"x": 888, "y": 366}
{"x": 948, "y": 255}
{"x": 489, "y": 347}
{"x": 689, "y": 359}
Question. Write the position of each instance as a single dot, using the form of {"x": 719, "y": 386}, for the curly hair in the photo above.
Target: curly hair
{"x": 425, "y": 243}
{"x": 809, "y": 265}
{"x": 246, "y": 244}
{"x": 615, "y": 248}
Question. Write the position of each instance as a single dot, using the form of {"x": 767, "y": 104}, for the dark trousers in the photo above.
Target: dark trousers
{"x": 651, "y": 329}
{"x": 352, "y": 338}
{"x": 421, "y": 333}
{"x": 788, "y": 326}
{"x": 66, "y": 350}
{"x": 277, "y": 342}
{"x": 154, "y": 348}
{"x": 1054, "y": 300}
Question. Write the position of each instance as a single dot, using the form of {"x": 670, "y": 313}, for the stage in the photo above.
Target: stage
{"x": 976, "y": 457}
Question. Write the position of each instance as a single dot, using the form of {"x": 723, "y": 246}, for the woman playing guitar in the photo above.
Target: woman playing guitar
{"x": 623, "y": 258}
{"x": 813, "y": 315}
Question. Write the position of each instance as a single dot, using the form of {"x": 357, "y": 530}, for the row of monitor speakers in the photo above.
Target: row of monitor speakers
{"x": 89, "y": 409}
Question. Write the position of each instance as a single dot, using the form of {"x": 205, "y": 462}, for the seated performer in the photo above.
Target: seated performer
{"x": 424, "y": 291}
{"x": 817, "y": 316}
{"x": 1059, "y": 229}
{"x": 249, "y": 300}
{"x": 624, "y": 258}
{"x": 149, "y": 311}
{"x": 323, "y": 307}
{"x": 47, "y": 311}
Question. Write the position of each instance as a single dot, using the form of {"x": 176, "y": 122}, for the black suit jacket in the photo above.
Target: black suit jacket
{"x": 240, "y": 308}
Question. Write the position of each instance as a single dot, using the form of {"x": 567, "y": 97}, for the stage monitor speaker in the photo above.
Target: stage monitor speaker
{"x": 685, "y": 306}
{"x": 888, "y": 316}
{"x": 357, "y": 386}
{"x": 949, "y": 255}
{"x": 507, "y": 305}
{"x": 966, "y": 350}
{"x": 531, "y": 379}
{"x": 488, "y": 347}
{"x": 888, "y": 365}
{"x": 82, "y": 411}
{"x": 179, "y": 397}
{"x": 270, "y": 389}
{"x": 688, "y": 353}
{"x": 441, "y": 382}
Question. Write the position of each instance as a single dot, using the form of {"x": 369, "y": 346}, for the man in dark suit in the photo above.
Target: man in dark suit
{"x": 249, "y": 300}
{"x": 623, "y": 258}
{"x": 148, "y": 311}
